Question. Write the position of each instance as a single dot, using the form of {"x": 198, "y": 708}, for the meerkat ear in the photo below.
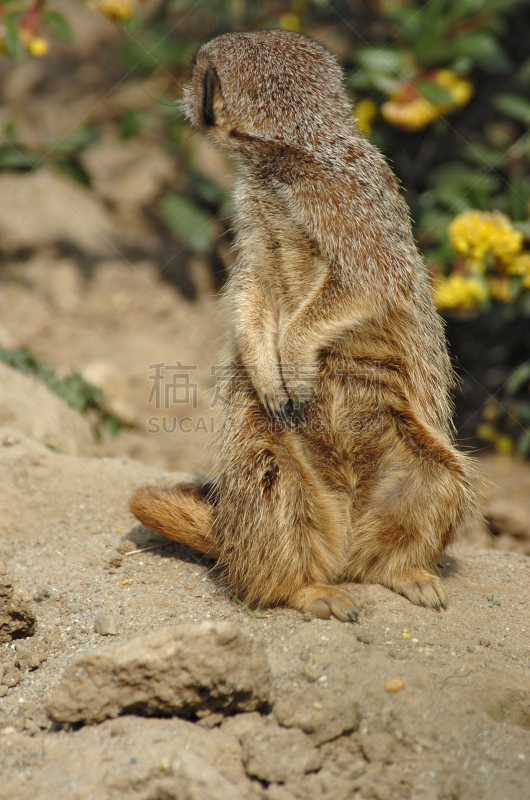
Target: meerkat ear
{"x": 210, "y": 96}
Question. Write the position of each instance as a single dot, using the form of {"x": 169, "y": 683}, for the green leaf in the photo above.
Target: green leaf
{"x": 12, "y": 43}
{"x": 72, "y": 169}
{"x": 204, "y": 187}
{"x": 76, "y": 140}
{"x": 380, "y": 60}
{"x": 435, "y": 93}
{"x": 112, "y": 425}
{"x": 523, "y": 445}
{"x": 58, "y": 25}
{"x": 522, "y": 79}
{"x": 478, "y": 46}
{"x": 154, "y": 48}
{"x": 524, "y": 227}
{"x": 131, "y": 123}
{"x": 518, "y": 378}
{"x": 513, "y": 105}
{"x": 190, "y": 224}
{"x": 496, "y": 6}
{"x": 484, "y": 156}
{"x": 518, "y": 197}
{"x": 15, "y": 158}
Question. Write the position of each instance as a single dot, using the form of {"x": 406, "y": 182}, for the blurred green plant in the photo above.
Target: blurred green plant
{"x": 423, "y": 54}
{"x": 73, "y": 389}
{"x": 25, "y": 27}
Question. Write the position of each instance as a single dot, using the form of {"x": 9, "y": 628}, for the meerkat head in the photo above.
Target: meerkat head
{"x": 271, "y": 86}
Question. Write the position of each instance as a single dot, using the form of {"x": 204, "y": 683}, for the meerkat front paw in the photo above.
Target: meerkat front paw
{"x": 324, "y": 600}
{"x": 280, "y": 407}
{"x": 276, "y": 403}
{"x": 421, "y": 588}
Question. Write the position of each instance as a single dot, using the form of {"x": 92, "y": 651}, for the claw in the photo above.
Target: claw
{"x": 298, "y": 412}
{"x": 287, "y": 411}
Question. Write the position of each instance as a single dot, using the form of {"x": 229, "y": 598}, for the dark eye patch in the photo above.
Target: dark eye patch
{"x": 210, "y": 82}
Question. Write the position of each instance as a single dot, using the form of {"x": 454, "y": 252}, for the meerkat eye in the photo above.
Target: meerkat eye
{"x": 210, "y": 83}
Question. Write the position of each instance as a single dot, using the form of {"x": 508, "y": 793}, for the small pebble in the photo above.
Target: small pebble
{"x": 395, "y": 685}
{"x": 365, "y": 638}
{"x": 106, "y": 625}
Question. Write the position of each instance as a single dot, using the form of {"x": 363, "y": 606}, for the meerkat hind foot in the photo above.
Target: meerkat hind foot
{"x": 324, "y": 600}
{"x": 421, "y": 588}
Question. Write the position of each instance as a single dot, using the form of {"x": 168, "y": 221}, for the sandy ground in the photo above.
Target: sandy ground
{"x": 458, "y": 730}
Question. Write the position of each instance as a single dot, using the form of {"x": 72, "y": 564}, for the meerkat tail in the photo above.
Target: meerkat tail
{"x": 181, "y": 513}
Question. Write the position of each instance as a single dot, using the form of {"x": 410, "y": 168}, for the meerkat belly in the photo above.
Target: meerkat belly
{"x": 289, "y": 263}
{"x": 294, "y": 275}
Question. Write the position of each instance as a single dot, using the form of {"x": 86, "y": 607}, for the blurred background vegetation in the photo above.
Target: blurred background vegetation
{"x": 90, "y": 93}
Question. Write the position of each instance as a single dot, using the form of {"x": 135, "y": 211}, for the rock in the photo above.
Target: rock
{"x": 29, "y": 408}
{"x": 182, "y": 670}
{"x": 509, "y": 522}
{"x": 275, "y": 754}
{"x": 278, "y": 792}
{"x": 394, "y": 685}
{"x": 193, "y": 778}
{"x": 45, "y": 208}
{"x": 6, "y": 340}
{"x": 116, "y": 396}
{"x": 16, "y": 615}
{"x": 365, "y": 638}
{"x": 60, "y": 280}
{"x": 321, "y": 713}
{"x": 127, "y": 172}
{"x": 30, "y": 655}
{"x": 106, "y": 625}
{"x": 378, "y": 746}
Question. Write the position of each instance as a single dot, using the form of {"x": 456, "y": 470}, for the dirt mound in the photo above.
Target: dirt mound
{"x": 459, "y": 728}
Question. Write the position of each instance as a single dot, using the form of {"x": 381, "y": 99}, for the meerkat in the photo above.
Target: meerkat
{"x": 335, "y": 456}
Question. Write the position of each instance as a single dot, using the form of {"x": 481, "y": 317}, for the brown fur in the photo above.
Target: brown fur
{"x": 369, "y": 486}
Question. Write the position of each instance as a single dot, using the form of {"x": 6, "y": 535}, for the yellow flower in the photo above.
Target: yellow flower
{"x": 290, "y": 22}
{"x": 459, "y": 89}
{"x": 475, "y": 266}
{"x": 412, "y": 115}
{"x": 491, "y": 411}
{"x": 406, "y": 108}
{"x": 364, "y": 114}
{"x": 474, "y": 234}
{"x": 520, "y": 265}
{"x": 459, "y": 291}
{"x": 486, "y": 432}
{"x": 119, "y": 10}
{"x": 37, "y": 46}
{"x": 500, "y": 289}
{"x": 503, "y": 445}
